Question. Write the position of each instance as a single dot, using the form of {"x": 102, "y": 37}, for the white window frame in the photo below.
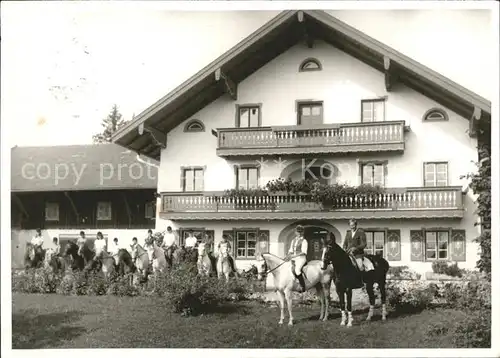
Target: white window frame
{"x": 246, "y": 256}
{"x": 437, "y": 250}
{"x": 371, "y": 104}
{"x": 104, "y": 211}
{"x": 435, "y": 181}
{"x": 371, "y": 241}
{"x": 51, "y": 207}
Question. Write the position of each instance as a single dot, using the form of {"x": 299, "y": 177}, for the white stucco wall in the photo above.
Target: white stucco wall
{"x": 342, "y": 84}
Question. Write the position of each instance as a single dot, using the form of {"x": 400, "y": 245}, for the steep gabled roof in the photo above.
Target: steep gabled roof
{"x": 147, "y": 131}
{"x": 79, "y": 167}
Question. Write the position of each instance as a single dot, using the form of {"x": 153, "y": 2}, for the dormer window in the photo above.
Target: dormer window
{"x": 435, "y": 115}
{"x": 194, "y": 125}
{"x": 310, "y": 64}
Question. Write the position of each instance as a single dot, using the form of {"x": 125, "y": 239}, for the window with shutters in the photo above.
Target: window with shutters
{"x": 435, "y": 174}
{"x": 104, "y": 211}
{"x": 248, "y": 115}
{"x": 373, "y": 110}
{"x": 247, "y": 178}
{"x": 150, "y": 210}
{"x": 437, "y": 244}
{"x": 192, "y": 179}
{"x": 52, "y": 211}
{"x": 373, "y": 174}
{"x": 375, "y": 242}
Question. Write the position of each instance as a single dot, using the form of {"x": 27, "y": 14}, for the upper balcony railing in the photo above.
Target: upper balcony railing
{"x": 412, "y": 202}
{"x": 327, "y": 138}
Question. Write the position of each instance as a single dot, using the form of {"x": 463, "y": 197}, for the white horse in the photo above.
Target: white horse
{"x": 204, "y": 262}
{"x": 223, "y": 266}
{"x": 157, "y": 257}
{"x": 140, "y": 258}
{"x": 285, "y": 282}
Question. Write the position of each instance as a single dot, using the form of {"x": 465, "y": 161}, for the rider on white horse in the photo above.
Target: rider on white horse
{"x": 298, "y": 255}
{"x": 99, "y": 244}
{"x": 80, "y": 242}
{"x": 355, "y": 244}
{"x": 224, "y": 249}
{"x": 169, "y": 241}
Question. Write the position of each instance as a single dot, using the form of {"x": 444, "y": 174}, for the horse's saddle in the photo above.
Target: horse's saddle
{"x": 355, "y": 263}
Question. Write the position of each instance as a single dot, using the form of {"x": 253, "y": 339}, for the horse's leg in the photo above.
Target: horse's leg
{"x": 289, "y": 301}
{"x": 349, "y": 307}
{"x": 321, "y": 296}
{"x": 326, "y": 295}
{"x": 281, "y": 302}
{"x": 341, "y": 294}
{"x": 381, "y": 287}
{"x": 371, "y": 297}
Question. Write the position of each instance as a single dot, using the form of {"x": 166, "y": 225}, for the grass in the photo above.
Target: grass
{"x": 54, "y": 321}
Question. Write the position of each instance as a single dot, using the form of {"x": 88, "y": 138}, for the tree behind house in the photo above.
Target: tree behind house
{"x": 111, "y": 124}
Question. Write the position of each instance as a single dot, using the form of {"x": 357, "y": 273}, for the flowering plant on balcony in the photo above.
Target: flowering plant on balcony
{"x": 242, "y": 193}
{"x": 329, "y": 195}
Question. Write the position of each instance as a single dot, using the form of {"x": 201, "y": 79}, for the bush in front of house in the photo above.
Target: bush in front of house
{"x": 35, "y": 281}
{"x": 409, "y": 296}
{"x": 444, "y": 268}
{"x": 403, "y": 273}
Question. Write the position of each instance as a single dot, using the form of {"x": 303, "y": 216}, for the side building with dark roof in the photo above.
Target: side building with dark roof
{"x": 67, "y": 189}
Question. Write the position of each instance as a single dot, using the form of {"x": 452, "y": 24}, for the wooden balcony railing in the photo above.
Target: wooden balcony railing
{"x": 400, "y": 199}
{"x": 325, "y": 138}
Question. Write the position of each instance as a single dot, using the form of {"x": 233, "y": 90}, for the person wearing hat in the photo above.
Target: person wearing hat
{"x": 298, "y": 255}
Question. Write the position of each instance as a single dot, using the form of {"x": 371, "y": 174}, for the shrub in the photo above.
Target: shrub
{"x": 191, "y": 294}
{"x": 441, "y": 267}
{"x": 474, "y": 295}
{"x": 403, "y": 273}
{"x": 35, "y": 281}
{"x": 409, "y": 297}
{"x": 121, "y": 286}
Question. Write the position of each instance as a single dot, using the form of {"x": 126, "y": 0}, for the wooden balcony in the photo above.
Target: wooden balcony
{"x": 396, "y": 203}
{"x": 324, "y": 139}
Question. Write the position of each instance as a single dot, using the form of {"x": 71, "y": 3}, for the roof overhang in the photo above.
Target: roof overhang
{"x": 146, "y": 134}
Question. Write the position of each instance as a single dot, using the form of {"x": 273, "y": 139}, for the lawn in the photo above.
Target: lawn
{"x": 54, "y": 321}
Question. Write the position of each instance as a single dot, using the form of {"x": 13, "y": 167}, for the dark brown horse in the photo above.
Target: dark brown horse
{"x": 348, "y": 277}
{"x": 71, "y": 252}
{"x": 125, "y": 263}
{"x": 34, "y": 256}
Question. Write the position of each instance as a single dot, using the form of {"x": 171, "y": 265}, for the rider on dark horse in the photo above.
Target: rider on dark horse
{"x": 57, "y": 246}
{"x": 355, "y": 244}
{"x": 224, "y": 248}
{"x": 169, "y": 245}
{"x": 298, "y": 255}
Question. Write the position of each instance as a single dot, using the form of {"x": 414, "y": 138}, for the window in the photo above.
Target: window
{"x": 150, "y": 210}
{"x": 199, "y": 233}
{"x": 194, "y": 125}
{"x": 104, "y": 210}
{"x": 373, "y": 174}
{"x": 52, "y": 211}
{"x": 310, "y": 64}
{"x": 375, "y": 243}
{"x": 436, "y": 245}
{"x": 247, "y": 178}
{"x": 373, "y": 110}
{"x": 192, "y": 179}
{"x": 248, "y": 116}
{"x": 246, "y": 241}
{"x": 435, "y": 115}
{"x": 435, "y": 174}
{"x": 310, "y": 113}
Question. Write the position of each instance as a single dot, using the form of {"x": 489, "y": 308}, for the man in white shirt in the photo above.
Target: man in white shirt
{"x": 37, "y": 240}
{"x": 99, "y": 244}
{"x": 114, "y": 249}
{"x": 191, "y": 241}
{"x": 169, "y": 244}
{"x": 81, "y": 242}
{"x": 298, "y": 255}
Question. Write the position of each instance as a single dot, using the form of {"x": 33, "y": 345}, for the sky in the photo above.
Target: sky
{"x": 63, "y": 68}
